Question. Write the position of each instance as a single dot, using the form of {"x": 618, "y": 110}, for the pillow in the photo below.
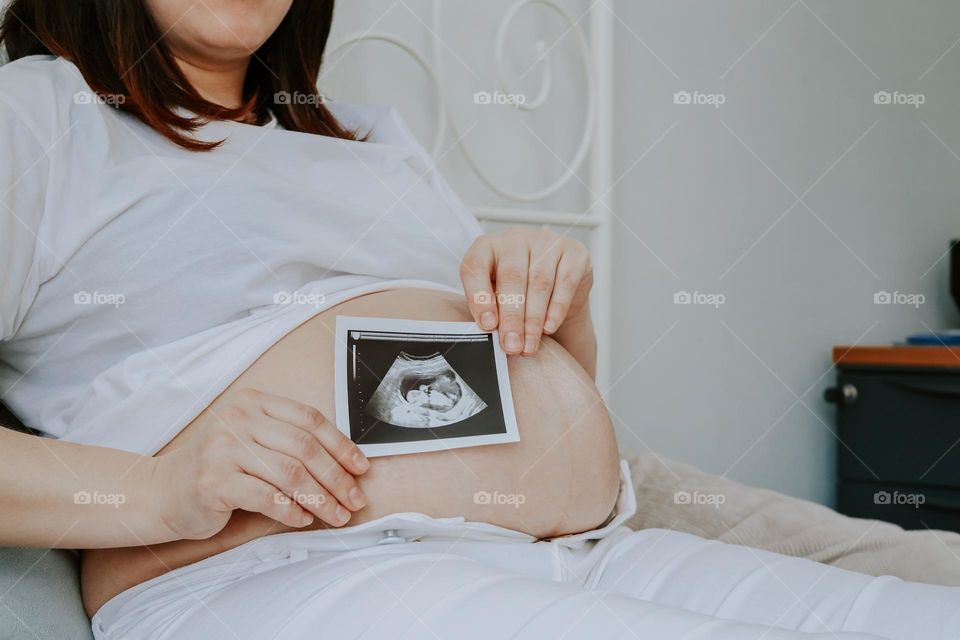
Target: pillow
{"x": 40, "y": 595}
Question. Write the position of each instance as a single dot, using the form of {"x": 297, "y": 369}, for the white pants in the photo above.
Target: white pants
{"x": 412, "y": 576}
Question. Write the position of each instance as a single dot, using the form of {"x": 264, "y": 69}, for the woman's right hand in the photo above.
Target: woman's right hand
{"x": 261, "y": 453}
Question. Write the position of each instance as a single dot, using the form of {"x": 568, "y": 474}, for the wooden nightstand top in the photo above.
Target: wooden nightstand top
{"x": 897, "y": 356}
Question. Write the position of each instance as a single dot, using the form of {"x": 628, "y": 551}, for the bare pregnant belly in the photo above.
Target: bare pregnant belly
{"x": 565, "y": 465}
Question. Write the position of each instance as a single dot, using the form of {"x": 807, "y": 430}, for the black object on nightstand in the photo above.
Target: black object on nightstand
{"x": 898, "y": 422}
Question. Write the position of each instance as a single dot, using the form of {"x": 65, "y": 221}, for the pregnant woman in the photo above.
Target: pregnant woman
{"x": 183, "y": 220}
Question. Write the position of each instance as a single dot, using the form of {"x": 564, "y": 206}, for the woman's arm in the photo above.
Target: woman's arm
{"x": 259, "y": 452}
{"x": 66, "y": 495}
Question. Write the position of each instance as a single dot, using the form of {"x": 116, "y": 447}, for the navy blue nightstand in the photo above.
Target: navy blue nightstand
{"x": 898, "y": 423}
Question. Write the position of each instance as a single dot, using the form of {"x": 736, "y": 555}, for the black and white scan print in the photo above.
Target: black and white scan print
{"x": 408, "y": 386}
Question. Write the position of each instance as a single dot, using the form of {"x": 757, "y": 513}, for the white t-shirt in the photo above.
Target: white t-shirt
{"x": 138, "y": 279}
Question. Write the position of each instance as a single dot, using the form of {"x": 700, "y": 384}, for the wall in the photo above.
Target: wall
{"x": 798, "y": 198}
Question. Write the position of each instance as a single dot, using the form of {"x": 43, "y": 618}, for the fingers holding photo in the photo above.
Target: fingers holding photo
{"x": 572, "y": 289}
{"x": 293, "y": 464}
{"x": 525, "y": 283}
{"x": 476, "y": 272}
{"x": 545, "y": 254}
{"x": 512, "y": 271}
{"x": 317, "y": 431}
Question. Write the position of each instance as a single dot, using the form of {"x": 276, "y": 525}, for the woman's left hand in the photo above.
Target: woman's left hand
{"x": 526, "y": 282}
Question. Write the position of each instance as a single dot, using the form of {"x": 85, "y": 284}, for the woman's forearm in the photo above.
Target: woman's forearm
{"x": 66, "y": 495}
{"x": 577, "y": 336}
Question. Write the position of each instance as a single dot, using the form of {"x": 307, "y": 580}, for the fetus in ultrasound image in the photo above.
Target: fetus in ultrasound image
{"x": 423, "y": 392}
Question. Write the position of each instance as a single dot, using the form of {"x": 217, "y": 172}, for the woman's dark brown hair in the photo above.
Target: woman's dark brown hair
{"x": 118, "y": 49}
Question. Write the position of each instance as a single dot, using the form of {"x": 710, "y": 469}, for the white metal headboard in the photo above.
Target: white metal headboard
{"x": 592, "y": 158}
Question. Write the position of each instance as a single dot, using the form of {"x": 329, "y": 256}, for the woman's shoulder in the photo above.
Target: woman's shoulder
{"x": 381, "y": 124}
{"x": 356, "y": 115}
{"x": 41, "y": 91}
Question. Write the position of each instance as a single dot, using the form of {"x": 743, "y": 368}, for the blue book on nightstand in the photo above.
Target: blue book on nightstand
{"x": 948, "y": 338}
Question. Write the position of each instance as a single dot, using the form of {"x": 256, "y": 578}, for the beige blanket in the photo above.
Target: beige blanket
{"x": 671, "y": 495}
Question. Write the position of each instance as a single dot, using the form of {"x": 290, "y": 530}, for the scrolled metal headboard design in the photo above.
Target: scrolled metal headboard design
{"x": 593, "y": 148}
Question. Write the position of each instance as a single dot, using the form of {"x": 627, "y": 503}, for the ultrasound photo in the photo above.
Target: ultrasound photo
{"x": 406, "y": 386}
